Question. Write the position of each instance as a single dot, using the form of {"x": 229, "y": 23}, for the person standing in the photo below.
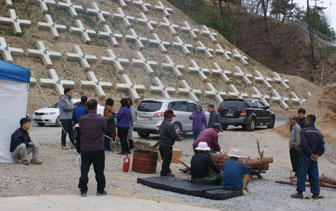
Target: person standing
{"x": 21, "y": 145}
{"x": 65, "y": 108}
{"x": 78, "y": 112}
{"x": 199, "y": 121}
{"x": 294, "y": 143}
{"x": 111, "y": 131}
{"x": 201, "y": 163}
{"x": 168, "y": 136}
{"x": 210, "y": 136}
{"x": 301, "y": 119}
{"x": 312, "y": 147}
{"x": 123, "y": 124}
{"x": 214, "y": 118}
{"x": 93, "y": 127}
{"x": 130, "y": 131}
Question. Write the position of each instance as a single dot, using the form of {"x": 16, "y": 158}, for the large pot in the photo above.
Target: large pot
{"x": 144, "y": 161}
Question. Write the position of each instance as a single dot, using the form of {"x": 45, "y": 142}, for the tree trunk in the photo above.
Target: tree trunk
{"x": 265, "y": 14}
{"x": 221, "y": 7}
{"x": 311, "y": 35}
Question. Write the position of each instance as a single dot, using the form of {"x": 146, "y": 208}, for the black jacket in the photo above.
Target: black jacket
{"x": 301, "y": 122}
{"x": 311, "y": 141}
{"x": 201, "y": 163}
{"x": 18, "y": 137}
{"x": 168, "y": 134}
{"x": 213, "y": 119}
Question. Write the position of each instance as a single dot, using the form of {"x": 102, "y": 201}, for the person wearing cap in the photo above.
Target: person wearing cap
{"x": 168, "y": 136}
{"x": 199, "y": 121}
{"x": 233, "y": 172}
{"x": 65, "y": 108}
{"x": 210, "y": 136}
{"x": 201, "y": 164}
{"x": 214, "y": 118}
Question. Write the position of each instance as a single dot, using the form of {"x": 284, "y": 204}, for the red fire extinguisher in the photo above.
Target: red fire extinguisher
{"x": 126, "y": 163}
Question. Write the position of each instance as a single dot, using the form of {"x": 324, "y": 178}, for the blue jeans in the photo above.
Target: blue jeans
{"x": 307, "y": 166}
{"x": 196, "y": 133}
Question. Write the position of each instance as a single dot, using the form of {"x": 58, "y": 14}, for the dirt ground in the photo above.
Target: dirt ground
{"x": 59, "y": 174}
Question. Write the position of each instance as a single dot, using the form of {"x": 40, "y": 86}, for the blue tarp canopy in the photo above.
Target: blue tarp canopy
{"x": 12, "y": 72}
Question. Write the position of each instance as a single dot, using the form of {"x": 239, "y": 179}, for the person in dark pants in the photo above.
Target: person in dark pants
{"x": 301, "y": 119}
{"x": 123, "y": 124}
{"x": 312, "y": 147}
{"x": 294, "y": 143}
{"x": 65, "y": 108}
{"x": 130, "y": 131}
{"x": 214, "y": 118}
{"x": 78, "y": 112}
{"x": 93, "y": 127}
{"x": 199, "y": 121}
{"x": 201, "y": 164}
{"x": 168, "y": 136}
{"x": 110, "y": 123}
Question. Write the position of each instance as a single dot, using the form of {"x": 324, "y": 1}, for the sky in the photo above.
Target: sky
{"x": 329, "y": 11}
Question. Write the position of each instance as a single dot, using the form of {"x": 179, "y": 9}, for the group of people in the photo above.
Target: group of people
{"x": 203, "y": 168}
{"x": 306, "y": 145}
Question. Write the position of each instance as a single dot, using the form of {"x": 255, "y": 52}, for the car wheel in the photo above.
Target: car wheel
{"x": 224, "y": 126}
{"x": 271, "y": 123}
{"x": 41, "y": 124}
{"x": 143, "y": 134}
{"x": 251, "y": 124}
{"x": 58, "y": 123}
{"x": 177, "y": 126}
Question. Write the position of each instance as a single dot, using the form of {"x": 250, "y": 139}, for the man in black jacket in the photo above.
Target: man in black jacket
{"x": 213, "y": 116}
{"x": 312, "y": 147}
{"x": 201, "y": 163}
{"x": 301, "y": 119}
{"x": 168, "y": 136}
{"x": 21, "y": 145}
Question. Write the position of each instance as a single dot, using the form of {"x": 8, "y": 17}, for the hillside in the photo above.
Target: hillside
{"x": 101, "y": 70}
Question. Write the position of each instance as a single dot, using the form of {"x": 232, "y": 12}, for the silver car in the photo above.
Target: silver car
{"x": 149, "y": 115}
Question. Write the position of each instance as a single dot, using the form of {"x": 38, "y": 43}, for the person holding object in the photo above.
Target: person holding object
{"x": 123, "y": 124}
{"x": 233, "y": 173}
{"x": 65, "y": 108}
{"x": 214, "y": 118}
{"x": 210, "y": 136}
{"x": 312, "y": 147}
{"x": 93, "y": 127}
{"x": 21, "y": 145}
{"x": 199, "y": 121}
{"x": 168, "y": 136}
{"x": 111, "y": 131}
{"x": 294, "y": 143}
{"x": 78, "y": 112}
{"x": 201, "y": 163}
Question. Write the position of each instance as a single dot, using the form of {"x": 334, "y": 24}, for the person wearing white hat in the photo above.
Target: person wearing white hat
{"x": 201, "y": 164}
{"x": 233, "y": 172}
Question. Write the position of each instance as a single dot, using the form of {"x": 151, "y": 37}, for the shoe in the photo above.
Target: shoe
{"x": 101, "y": 193}
{"x": 82, "y": 193}
{"x": 19, "y": 161}
{"x": 170, "y": 174}
{"x": 64, "y": 148}
{"x": 25, "y": 162}
{"x": 122, "y": 153}
{"x": 297, "y": 196}
{"x": 72, "y": 147}
{"x": 317, "y": 196}
{"x": 36, "y": 162}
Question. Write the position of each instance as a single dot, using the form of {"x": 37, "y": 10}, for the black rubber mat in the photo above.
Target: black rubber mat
{"x": 184, "y": 186}
{"x": 220, "y": 194}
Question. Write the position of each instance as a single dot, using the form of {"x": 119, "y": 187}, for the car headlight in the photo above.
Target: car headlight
{"x": 50, "y": 113}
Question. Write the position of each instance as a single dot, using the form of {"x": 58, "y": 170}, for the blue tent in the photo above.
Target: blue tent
{"x": 12, "y": 72}
{"x": 14, "y": 92}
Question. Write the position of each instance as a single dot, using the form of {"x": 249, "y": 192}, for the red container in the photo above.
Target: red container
{"x": 126, "y": 163}
{"x": 144, "y": 161}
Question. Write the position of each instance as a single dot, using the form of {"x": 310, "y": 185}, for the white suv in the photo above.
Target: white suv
{"x": 49, "y": 115}
{"x": 149, "y": 115}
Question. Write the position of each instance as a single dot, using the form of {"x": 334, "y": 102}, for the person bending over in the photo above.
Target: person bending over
{"x": 21, "y": 145}
{"x": 201, "y": 164}
{"x": 210, "y": 136}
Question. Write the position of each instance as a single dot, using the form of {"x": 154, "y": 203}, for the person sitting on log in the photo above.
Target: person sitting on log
{"x": 235, "y": 175}
{"x": 210, "y": 136}
{"x": 201, "y": 163}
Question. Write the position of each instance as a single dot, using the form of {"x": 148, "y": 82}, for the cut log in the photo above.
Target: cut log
{"x": 307, "y": 184}
{"x": 260, "y": 164}
{"x": 329, "y": 180}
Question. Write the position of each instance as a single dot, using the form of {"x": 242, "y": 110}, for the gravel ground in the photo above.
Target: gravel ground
{"x": 59, "y": 173}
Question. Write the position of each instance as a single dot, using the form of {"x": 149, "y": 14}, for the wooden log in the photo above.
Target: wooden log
{"x": 306, "y": 184}
{"x": 329, "y": 180}
{"x": 261, "y": 164}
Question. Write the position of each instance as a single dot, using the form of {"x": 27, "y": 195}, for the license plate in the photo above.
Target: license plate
{"x": 229, "y": 114}
{"x": 143, "y": 119}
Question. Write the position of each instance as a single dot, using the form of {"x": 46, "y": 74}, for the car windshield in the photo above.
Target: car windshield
{"x": 55, "y": 105}
{"x": 149, "y": 106}
{"x": 232, "y": 104}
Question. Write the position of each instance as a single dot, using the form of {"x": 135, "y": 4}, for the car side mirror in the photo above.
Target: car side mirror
{"x": 267, "y": 107}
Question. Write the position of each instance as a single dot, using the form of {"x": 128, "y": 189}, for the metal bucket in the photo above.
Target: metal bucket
{"x": 144, "y": 161}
